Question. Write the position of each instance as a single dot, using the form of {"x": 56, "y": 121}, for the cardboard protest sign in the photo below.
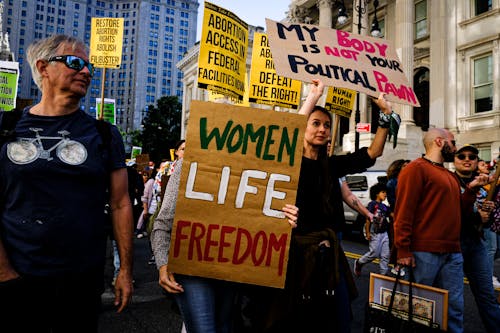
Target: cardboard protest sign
{"x": 267, "y": 87}
{"x": 241, "y": 166}
{"x": 106, "y": 40}
{"x": 340, "y": 101}
{"x": 339, "y": 58}
{"x": 223, "y": 51}
{"x": 9, "y": 76}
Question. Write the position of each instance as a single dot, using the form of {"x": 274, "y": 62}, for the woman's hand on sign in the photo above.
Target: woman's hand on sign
{"x": 292, "y": 214}
{"x": 384, "y": 105}
{"x": 167, "y": 281}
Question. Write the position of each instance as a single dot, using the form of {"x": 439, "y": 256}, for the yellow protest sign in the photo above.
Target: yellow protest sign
{"x": 267, "y": 87}
{"x": 241, "y": 168}
{"x": 106, "y": 42}
{"x": 340, "y": 59}
{"x": 340, "y": 101}
{"x": 223, "y": 51}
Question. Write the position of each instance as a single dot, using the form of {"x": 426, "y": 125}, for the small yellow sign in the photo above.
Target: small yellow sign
{"x": 223, "y": 52}
{"x": 340, "y": 101}
{"x": 267, "y": 87}
{"x": 106, "y": 41}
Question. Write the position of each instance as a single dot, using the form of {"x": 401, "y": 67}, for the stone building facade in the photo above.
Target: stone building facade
{"x": 449, "y": 50}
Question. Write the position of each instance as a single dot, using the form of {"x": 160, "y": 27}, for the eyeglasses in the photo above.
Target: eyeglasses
{"x": 453, "y": 142}
{"x": 471, "y": 157}
{"x": 73, "y": 62}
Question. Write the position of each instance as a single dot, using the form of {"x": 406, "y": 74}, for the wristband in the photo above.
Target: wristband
{"x": 384, "y": 120}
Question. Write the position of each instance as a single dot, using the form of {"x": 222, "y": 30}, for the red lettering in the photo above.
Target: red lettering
{"x": 196, "y": 238}
{"x": 278, "y": 246}
{"x": 210, "y": 242}
{"x": 381, "y": 79}
{"x": 222, "y": 244}
{"x": 237, "y": 245}
{"x": 179, "y": 236}
{"x": 403, "y": 92}
{"x": 256, "y": 242}
{"x": 333, "y": 52}
{"x": 344, "y": 40}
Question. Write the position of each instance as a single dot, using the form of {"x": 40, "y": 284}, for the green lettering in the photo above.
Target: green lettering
{"x": 254, "y": 136}
{"x": 219, "y": 140}
{"x": 290, "y": 146}
{"x": 269, "y": 142}
{"x": 234, "y": 146}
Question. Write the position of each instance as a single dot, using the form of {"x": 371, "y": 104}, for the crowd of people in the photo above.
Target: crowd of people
{"x": 440, "y": 224}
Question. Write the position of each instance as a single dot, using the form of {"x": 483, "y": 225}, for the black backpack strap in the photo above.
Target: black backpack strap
{"x": 8, "y": 125}
{"x": 104, "y": 129}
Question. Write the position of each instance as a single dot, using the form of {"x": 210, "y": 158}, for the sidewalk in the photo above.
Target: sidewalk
{"x": 150, "y": 311}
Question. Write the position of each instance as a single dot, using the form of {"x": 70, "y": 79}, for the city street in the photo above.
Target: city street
{"x": 152, "y": 311}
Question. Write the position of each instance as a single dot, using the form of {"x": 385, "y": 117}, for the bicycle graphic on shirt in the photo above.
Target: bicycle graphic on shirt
{"x": 27, "y": 150}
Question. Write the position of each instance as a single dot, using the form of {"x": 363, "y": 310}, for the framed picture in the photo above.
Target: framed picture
{"x": 429, "y": 303}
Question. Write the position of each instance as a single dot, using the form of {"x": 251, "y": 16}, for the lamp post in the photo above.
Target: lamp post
{"x": 360, "y": 8}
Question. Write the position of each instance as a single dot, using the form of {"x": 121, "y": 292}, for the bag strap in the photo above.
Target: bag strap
{"x": 410, "y": 300}
{"x": 8, "y": 125}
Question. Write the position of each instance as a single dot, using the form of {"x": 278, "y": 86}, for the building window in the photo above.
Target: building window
{"x": 420, "y": 19}
{"x": 483, "y": 84}
{"x": 482, "y": 6}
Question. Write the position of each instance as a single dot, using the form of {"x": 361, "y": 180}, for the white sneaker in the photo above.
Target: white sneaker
{"x": 396, "y": 269}
{"x": 496, "y": 283}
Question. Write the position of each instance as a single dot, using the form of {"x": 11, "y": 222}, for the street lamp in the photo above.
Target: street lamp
{"x": 375, "y": 32}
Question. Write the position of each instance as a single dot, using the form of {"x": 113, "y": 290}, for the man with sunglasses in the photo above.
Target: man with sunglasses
{"x": 476, "y": 265}
{"x": 56, "y": 175}
{"x": 427, "y": 220}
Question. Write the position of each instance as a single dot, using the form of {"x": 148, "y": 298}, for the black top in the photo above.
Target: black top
{"x": 312, "y": 215}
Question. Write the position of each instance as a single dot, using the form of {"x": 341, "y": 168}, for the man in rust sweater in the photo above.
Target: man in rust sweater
{"x": 427, "y": 221}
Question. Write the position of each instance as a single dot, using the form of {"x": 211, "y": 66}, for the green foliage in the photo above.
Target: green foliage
{"x": 161, "y": 128}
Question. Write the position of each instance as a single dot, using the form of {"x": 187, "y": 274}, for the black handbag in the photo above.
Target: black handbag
{"x": 383, "y": 319}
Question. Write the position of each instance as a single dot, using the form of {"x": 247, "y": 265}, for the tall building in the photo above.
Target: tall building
{"x": 157, "y": 33}
{"x": 449, "y": 50}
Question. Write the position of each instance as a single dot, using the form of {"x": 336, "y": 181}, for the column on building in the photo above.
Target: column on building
{"x": 443, "y": 59}
{"x": 404, "y": 48}
{"x": 325, "y": 13}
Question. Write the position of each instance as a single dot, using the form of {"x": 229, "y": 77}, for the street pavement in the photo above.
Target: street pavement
{"x": 153, "y": 311}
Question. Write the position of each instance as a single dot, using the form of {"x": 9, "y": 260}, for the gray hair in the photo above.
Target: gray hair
{"x": 46, "y": 48}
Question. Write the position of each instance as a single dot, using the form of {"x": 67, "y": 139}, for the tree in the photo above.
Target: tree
{"x": 161, "y": 128}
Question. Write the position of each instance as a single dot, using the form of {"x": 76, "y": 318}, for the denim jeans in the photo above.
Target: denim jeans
{"x": 379, "y": 248}
{"x": 492, "y": 246}
{"x": 477, "y": 270}
{"x": 444, "y": 270}
{"x": 206, "y": 304}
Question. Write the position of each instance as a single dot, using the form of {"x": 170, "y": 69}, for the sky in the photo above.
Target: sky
{"x": 253, "y": 12}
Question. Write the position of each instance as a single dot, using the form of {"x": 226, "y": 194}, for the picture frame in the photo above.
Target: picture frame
{"x": 429, "y": 302}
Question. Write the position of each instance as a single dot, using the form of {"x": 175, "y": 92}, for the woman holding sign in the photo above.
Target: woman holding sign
{"x": 319, "y": 284}
{"x": 206, "y": 304}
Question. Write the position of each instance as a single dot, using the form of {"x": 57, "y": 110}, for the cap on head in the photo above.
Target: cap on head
{"x": 468, "y": 147}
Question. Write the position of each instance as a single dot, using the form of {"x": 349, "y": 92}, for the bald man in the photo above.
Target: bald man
{"x": 427, "y": 221}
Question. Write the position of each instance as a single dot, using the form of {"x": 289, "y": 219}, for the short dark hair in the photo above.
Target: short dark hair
{"x": 376, "y": 189}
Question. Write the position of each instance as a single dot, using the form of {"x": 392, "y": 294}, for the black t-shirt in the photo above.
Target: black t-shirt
{"x": 312, "y": 215}
{"x": 53, "y": 181}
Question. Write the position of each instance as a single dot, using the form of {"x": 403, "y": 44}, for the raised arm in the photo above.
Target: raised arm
{"x": 315, "y": 93}
{"x": 377, "y": 147}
